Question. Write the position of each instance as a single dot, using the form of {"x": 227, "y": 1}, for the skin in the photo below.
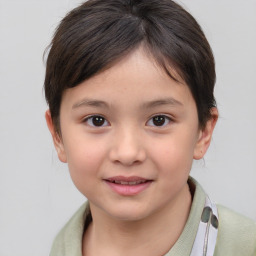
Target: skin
{"x": 128, "y": 96}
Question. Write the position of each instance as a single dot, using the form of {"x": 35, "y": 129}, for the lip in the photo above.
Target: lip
{"x": 128, "y": 186}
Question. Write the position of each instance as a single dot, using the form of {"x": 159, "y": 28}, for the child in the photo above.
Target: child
{"x": 130, "y": 91}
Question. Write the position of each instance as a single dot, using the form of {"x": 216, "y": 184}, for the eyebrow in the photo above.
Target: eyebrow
{"x": 149, "y": 104}
{"x": 159, "y": 102}
{"x": 90, "y": 102}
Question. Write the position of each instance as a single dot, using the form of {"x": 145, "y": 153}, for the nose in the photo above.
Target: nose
{"x": 127, "y": 148}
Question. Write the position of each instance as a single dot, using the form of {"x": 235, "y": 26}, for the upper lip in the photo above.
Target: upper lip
{"x": 127, "y": 180}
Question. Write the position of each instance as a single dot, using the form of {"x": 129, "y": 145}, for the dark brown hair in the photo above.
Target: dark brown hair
{"x": 97, "y": 33}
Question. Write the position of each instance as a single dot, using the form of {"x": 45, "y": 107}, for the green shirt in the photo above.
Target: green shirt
{"x": 236, "y": 233}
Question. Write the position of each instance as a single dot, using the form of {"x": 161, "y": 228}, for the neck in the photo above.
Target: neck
{"x": 138, "y": 237}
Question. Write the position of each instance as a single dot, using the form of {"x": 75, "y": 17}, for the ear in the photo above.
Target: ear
{"x": 205, "y": 135}
{"x": 58, "y": 143}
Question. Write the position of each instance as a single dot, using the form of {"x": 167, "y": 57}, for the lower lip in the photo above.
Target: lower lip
{"x": 129, "y": 190}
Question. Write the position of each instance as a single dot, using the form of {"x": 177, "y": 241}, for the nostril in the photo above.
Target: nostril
{"x": 127, "y": 147}
{"x": 127, "y": 157}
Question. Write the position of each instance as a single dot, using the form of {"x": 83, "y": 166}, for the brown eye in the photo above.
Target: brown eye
{"x": 160, "y": 120}
{"x": 96, "y": 121}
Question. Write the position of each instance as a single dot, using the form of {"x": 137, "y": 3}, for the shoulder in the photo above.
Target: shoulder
{"x": 236, "y": 235}
{"x": 69, "y": 239}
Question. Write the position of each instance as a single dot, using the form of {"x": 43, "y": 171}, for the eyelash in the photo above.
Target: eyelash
{"x": 89, "y": 121}
{"x": 103, "y": 121}
{"x": 160, "y": 118}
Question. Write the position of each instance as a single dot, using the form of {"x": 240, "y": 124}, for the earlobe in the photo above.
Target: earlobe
{"x": 58, "y": 144}
{"x": 205, "y": 135}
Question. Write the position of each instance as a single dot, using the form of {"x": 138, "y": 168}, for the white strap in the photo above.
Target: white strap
{"x": 206, "y": 236}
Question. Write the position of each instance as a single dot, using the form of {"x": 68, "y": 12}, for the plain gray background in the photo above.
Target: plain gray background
{"x": 36, "y": 193}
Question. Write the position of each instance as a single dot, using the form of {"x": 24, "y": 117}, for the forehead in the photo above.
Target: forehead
{"x": 136, "y": 77}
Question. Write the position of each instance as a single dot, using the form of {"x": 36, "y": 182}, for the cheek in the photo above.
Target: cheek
{"x": 174, "y": 155}
{"x": 84, "y": 159}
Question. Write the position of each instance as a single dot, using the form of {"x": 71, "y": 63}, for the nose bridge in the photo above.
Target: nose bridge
{"x": 128, "y": 146}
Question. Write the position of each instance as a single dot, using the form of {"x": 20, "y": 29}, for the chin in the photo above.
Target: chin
{"x": 130, "y": 214}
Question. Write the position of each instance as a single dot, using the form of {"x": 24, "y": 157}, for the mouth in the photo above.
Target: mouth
{"x": 122, "y": 180}
{"x": 128, "y": 186}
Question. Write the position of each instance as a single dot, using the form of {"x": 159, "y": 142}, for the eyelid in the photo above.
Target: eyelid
{"x": 168, "y": 117}
{"x": 89, "y": 117}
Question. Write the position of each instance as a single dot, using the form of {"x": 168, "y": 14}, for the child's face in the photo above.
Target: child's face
{"x": 130, "y": 123}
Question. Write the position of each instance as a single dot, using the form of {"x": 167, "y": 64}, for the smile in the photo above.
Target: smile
{"x": 128, "y": 182}
{"x": 128, "y": 186}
